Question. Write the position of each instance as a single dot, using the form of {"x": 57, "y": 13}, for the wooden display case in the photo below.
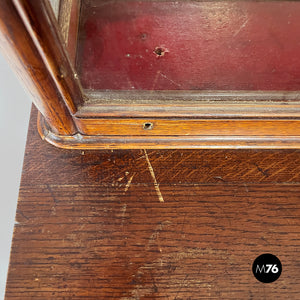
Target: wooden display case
{"x": 159, "y": 74}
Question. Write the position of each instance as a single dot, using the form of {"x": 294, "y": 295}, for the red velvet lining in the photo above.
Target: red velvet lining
{"x": 188, "y": 45}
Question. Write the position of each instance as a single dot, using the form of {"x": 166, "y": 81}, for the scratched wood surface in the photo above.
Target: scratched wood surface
{"x": 165, "y": 224}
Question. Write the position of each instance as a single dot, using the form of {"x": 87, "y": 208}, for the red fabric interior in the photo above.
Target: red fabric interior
{"x": 214, "y": 45}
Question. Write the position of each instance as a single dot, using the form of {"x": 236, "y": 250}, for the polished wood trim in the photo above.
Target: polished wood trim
{"x": 16, "y": 44}
{"x": 42, "y": 26}
{"x": 69, "y": 22}
{"x": 79, "y": 141}
{"x": 186, "y": 127}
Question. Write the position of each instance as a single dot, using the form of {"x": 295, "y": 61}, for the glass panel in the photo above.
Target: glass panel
{"x": 189, "y": 45}
{"x": 55, "y": 7}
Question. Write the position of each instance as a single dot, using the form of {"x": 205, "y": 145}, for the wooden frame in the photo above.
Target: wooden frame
{"x": 75, "y": 118}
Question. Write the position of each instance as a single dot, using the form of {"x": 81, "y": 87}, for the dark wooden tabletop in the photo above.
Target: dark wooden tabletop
{"x": 164, "y": 224}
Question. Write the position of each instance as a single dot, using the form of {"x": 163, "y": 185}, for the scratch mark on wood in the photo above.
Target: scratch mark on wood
{"x": 156, "y": 185}
{"x": 155, "y": 234}
{"x": 123, "y": 211}
{"x": 219, "y": 178}
{"x": 51, "y": 193}
{"x": 182, "y": 233}
{"x": 246, "y": 188}
{"x": 264, "y": 239}
{"x": 155, "y": 288}
{"x": 21, "y": 213}
{"x": 265, "y": 173}
{"x": 140, "y": 157}
{"x": 170, "y": 262}
{"x": 128, "y": 183}
{"x": 181, "y": 286}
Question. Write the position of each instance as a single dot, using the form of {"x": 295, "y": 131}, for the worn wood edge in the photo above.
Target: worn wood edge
{"x": 68, "y": 21}
{"x": 79, "y": 141}
{"x": 191, "y": 110}
{"x": 104, "y": 96}
{"x": 210, "y": 104}
{"x": 42, "y": 26}
{"x": 21, "y": 53}
{"x": 64, "y": 18}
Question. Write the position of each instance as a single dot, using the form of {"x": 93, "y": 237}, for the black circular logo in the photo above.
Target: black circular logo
{"x": 267, "y": 268}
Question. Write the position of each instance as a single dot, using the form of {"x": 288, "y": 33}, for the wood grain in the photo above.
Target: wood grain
{"x": 81, "y": 119}
{"x": 19, "y": 49}
{"x": 68, "y": 23}
{"x": 90, "y": 224}
{"x": 43, "y": 29}
{"x": 187, "y": 127}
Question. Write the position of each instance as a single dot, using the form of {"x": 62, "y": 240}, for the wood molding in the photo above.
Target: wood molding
{"x": 79, "y": 141}
{"x": 76, "y": 118}
{"x": 68, "y": 22}
{"x": 17, "y": 46}
{"x": 42, "y": 26}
